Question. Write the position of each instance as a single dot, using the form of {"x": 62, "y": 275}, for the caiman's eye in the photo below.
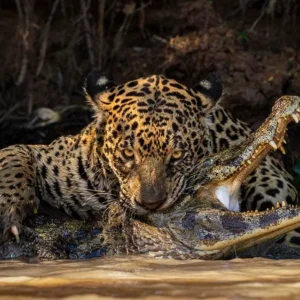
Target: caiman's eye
{"x": 128, "y": 154}
{"x": 177, "y": 155}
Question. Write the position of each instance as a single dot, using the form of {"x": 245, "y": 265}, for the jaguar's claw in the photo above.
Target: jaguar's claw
{"x": 14, "y": 230}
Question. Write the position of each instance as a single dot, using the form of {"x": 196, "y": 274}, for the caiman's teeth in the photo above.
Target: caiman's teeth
{"x": 273, "y": 145}
{"x": 256, "y": 211}
{"x": 282, "y": 149}
{"x": 249, "y": 162}
{"x": 295, "y": 117}
{"x": 277, "y": 205}
{"x": 298, "y": 109}
{"x": 283, "y": 204}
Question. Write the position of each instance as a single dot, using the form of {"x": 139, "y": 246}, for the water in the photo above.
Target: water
{"x": 136, "y": 277}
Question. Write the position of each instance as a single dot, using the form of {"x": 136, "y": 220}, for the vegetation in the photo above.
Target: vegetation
{"x": 48, "y": 47}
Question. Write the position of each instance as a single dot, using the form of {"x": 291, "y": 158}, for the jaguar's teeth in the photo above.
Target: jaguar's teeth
{"x": 273, "y": 145}
{"x": 277, "y": 205}
{"x": 295, "y": 117}
{"x": 284, "y": 141}
{"x": 298, "y": 109}
{"x": 283, "y": 204}
{"x": 272, "y": 208}
{"x": 282, "y": 149}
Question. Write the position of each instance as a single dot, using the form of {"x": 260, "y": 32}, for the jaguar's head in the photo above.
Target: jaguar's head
{"x": 155, "y": 132}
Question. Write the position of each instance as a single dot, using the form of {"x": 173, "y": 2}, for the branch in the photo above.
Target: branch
{"x": 101, "y": 30}
{"x": 24, "y": 25}
{"x": 87, "y": 32}
{"x": 45, "y": 38}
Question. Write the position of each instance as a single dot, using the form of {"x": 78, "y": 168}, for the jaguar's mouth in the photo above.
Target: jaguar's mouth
{"x": 132, "y": 205}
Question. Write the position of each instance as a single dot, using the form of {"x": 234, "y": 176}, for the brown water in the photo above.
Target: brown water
{"x": 145, "y": 278}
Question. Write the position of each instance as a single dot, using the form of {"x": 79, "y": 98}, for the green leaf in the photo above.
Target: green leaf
{"x": 244, "y": 36}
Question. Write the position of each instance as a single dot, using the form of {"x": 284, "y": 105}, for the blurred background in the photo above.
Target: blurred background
{"x": 49, "y": 46}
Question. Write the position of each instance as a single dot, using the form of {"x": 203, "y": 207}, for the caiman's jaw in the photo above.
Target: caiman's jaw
{"x": 210, "y": 234}
{"x": 231, "y": 167}
{"x": 229, "y": 232}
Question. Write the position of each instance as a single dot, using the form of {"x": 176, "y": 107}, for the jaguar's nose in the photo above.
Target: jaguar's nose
{"x": 151, "y": 199}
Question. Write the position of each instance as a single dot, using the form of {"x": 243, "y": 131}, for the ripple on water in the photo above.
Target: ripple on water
{"x": 137, "y": 277}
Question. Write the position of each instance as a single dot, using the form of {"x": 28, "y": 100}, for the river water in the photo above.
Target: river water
{"x": 136, "y": 277}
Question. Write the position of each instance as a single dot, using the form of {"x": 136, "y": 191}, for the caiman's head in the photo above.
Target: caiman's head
{"x": 154, "y": 133}
{"x": 220, "y": 176}
{"x": 202, "y": 227}
{"x": 210, "y": 234}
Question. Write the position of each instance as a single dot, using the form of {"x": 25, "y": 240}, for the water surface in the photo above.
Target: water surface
{"x": 136, "y": 277}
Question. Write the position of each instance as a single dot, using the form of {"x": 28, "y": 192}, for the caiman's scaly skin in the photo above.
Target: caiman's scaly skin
{"x": 201, "y": 227}
{"x": 208, "y": 234}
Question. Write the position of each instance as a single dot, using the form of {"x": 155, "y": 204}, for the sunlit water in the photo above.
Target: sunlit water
{"x": 143, "y": 278}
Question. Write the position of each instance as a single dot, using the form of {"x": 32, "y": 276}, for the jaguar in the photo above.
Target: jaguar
{"x": 199, "y": 226}
{"x": 141, "y": 150}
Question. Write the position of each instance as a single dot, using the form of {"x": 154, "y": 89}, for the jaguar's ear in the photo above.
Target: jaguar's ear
{"x": 209, "y": 90}
{"x": 96, "y": 87}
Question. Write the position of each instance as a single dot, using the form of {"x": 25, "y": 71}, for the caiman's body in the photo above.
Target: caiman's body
{"x": 198, "y": 227}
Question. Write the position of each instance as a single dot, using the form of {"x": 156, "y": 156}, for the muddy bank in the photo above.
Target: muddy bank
{"x": 49, "y": 47}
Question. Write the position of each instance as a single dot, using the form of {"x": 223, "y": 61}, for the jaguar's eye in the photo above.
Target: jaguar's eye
{"x": 128, "y": 154}
{"x": 177, "y": 154}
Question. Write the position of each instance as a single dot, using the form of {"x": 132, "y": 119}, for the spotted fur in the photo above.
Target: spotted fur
{"x": 142, "y": 146}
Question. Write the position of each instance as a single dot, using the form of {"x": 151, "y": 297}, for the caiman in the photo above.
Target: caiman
{"x": 199, "y": 226}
